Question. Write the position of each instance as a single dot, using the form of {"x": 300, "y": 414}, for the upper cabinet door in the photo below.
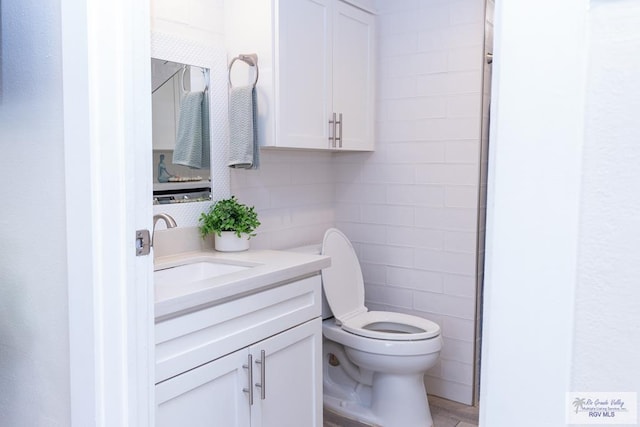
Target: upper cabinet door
{"x": 303, "y": 73}
{"x": 316, "y": 59}
{"x": 353, "y": 75}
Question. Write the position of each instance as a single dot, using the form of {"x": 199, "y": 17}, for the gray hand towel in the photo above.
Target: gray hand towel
{"x": 192, "y": 140}
{"x": 206, "y": 138}
{"x": 244, "y": 152}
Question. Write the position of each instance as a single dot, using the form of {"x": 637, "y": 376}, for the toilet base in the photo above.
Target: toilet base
{"x": 351, "y": 409}
{"x": 400, "y": 400}
{"x": 396, "y": 401}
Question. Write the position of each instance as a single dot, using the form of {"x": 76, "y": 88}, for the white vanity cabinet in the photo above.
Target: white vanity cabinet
{"x": 252, "y": 361}
{"x": 205, "y": 396}
{"x": 316, "y": 59}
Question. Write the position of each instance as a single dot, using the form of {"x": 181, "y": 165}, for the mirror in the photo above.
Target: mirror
{"x": 213, "y": 56}
{"x": 181, "y": 132}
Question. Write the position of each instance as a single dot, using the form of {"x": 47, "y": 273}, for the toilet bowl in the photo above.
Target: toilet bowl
{"x": 373, "y": 361}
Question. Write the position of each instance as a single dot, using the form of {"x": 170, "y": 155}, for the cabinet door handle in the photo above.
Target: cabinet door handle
{"x": 261, "y": 385}
{"x": 332, "y": 131}
{"x": 339, "y": 122}
{"x": 249, "y": 367}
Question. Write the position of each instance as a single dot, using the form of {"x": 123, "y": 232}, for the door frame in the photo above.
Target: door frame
{"x": 107, "y": 121}
{"x": 533, "y": 209}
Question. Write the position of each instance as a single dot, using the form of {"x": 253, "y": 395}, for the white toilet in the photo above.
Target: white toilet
{"x": 373, "y": 361}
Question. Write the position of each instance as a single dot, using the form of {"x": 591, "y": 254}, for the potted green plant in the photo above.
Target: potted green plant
{"x": 232, "y": 224}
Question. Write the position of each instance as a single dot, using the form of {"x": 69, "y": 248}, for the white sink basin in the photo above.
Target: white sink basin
{"x": 193, "y": 272}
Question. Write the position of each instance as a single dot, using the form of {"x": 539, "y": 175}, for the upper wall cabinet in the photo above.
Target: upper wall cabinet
{"x": 316, "y": 60}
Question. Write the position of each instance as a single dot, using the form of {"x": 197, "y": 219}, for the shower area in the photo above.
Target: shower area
{"x": 415, "y": 208}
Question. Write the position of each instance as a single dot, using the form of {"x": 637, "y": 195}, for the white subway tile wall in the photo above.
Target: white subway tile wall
{"x": 293, "y": 192}
{"x": 411, "y": 209}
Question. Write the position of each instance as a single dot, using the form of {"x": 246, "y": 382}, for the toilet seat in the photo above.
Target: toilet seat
{"x": 386, "y": 325}
{"x": 344, "y": 289}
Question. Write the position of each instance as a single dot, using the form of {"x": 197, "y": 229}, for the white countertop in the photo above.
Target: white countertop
{"x": 268, "y": 269}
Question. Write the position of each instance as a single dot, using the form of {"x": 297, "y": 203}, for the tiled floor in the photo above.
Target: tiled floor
{"x": 445, "y": 413}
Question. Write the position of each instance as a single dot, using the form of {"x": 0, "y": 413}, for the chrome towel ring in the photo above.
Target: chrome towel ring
{"x": 184, "y": 70}
{"x": 205, "y": 77}
{"x": 251, "y": 59}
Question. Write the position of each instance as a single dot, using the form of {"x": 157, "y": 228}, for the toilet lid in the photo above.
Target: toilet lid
{"x": 342, "y": 281}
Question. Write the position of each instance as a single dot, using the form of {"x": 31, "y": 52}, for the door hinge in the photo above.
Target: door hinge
{"x": 143, "y": 242}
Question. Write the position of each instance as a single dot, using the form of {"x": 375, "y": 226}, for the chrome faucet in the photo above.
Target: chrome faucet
{"x": 168, "y": 220}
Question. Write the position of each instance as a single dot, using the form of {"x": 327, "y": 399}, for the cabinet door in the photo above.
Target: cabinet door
{"x": 303, "y": 74}
{"x": 353, "y": 75}
{"x": 210, "y": 395}
{"x": 292, "y": 378}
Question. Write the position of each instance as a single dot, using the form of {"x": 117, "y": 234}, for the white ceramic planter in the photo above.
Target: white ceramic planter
{"x": 229, "y": 242}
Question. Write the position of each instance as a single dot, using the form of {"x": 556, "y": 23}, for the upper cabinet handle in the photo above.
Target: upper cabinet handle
{"x": 332, "y": 131}
{"x": 339, "y": 122}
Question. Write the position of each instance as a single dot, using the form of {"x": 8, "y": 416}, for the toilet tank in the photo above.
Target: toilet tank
{"x": 315, "y": 249}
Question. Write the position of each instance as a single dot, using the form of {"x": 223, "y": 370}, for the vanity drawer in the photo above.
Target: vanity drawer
{"x": 190, "y": 340}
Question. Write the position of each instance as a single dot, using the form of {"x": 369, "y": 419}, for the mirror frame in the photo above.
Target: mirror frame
{"x": 176, "y": 49}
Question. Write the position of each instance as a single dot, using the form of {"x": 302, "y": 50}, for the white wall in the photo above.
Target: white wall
{"x": 293, "y": 192}
{"x": 201, "y": 21}
{"x": 607, "y": 306}
{"x": 411, "y": 207}
{"x": 34, "y": 329}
